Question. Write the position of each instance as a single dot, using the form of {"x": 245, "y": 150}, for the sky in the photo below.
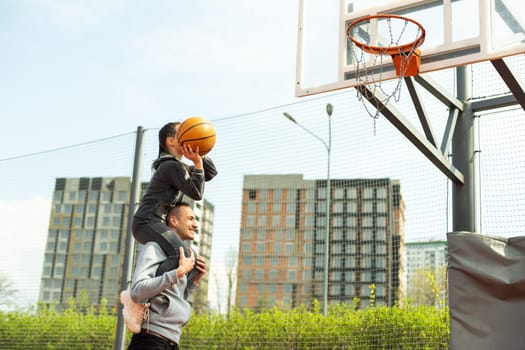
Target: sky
{"x": 74, "y": 71}
{"x": 82, "y": 70}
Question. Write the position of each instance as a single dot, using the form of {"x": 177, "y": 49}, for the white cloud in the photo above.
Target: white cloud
{"x": 23, "y": 234}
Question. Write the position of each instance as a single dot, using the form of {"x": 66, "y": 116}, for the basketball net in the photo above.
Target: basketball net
{"x": 399, "y": 38}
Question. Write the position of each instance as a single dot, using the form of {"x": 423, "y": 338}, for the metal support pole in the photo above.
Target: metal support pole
{"x": 328, "y": 205}
{"x": 328, "y": 146}
{"x": 464, "y": 158}
{"x": 129, "y": 248}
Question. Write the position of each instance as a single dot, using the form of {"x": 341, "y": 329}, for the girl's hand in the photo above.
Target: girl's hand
{"x": 192, "y": 155}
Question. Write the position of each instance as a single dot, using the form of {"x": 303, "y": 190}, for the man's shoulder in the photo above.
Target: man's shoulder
{"x": 152, "y": 248}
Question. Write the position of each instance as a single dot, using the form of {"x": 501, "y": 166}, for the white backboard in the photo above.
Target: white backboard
{"x": 458, "y": 32}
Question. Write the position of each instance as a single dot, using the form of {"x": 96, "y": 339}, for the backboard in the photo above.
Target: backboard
{"x": 458, "y": 32}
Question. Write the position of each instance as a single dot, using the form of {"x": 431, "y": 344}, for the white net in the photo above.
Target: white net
{"x": 371, "y": 40}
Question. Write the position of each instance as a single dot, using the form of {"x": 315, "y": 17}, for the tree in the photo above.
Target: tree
{"x": 428, "y": 286}
{"x": 230, "y": 262}
{"x": 7, "y": 292}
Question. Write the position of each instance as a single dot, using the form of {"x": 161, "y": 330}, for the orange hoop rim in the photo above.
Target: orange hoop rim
{"x": 387, "y": 50}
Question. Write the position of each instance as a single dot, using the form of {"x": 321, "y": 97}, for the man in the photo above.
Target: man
{"x": 167, "y": 293}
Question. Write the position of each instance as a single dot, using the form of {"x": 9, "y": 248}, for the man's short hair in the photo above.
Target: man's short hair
{"x": 175, "y": 209}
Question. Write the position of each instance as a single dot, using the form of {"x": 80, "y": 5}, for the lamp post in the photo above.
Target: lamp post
{"x": 328, "y": 146}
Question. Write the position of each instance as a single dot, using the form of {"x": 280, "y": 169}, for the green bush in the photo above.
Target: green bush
{"x": 345, "y": 327}
{"x": 50, "y": 330}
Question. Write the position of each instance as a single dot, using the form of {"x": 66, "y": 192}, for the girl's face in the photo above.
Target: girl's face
{"x": 174, "y": 141}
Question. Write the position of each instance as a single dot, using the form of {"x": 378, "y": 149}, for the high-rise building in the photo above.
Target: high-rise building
{"x": 86, "y": 241}
{"x": 282, "y": 241}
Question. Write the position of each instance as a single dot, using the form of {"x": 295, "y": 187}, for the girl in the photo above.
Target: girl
{"x": 171, "y": 180}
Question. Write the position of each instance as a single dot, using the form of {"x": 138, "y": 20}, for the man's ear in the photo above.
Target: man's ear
{"x": 172, "y": 220}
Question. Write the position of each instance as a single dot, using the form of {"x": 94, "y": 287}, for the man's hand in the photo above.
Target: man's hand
{"x": 185, "y": 264}
{"x": 201, "y": 267}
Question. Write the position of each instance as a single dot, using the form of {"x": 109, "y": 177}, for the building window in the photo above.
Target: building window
{"x": 338, "y": 207}
{"x": 381, "y": 207}
{"x": 252, "y": 194}
{"x": 310, "y": 194}
{"x": 309, "y": 221}
{"x": 276, "y": 195}
{"x": 349, "y": 276}
{"x": 381, "y": 235}
{"x": 380, "y": 262}
{"x": 335, "y": 290}
{"x": 106, "y": 196}
{"x": 290, "y": 220}
{"x": 349, "y": 248}
{"x": 350, "y": 262}
{"x": 369, "y": 193}
{"x": 309, "y": 207}
{"x": 368, "y": 248}
{"x": 368, "y": 221}
{"x": 350, "y": 234}
{"x": 337, "y": 262}
{"x": 337, "y": 249}
{"x": 122, "y": 196}
{"x": 366, "y": 277}
{"x": 366, "y": 262}
{"x": 57, "y": 197}
{"x": 251, "y": 207}
{"x": 351, "y": 207}
{"x": 380, "y": 290}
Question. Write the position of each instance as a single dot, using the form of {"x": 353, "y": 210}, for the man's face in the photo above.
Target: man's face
{"x": 184, "y": 223}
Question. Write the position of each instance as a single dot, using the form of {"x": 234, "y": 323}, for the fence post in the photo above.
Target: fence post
{"x": 129, "y": 248}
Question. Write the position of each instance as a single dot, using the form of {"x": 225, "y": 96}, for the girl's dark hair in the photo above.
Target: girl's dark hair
{"x": 166, "y": 131}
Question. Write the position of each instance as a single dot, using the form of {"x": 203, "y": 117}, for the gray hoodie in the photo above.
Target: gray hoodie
{"x": 167, "y": 294}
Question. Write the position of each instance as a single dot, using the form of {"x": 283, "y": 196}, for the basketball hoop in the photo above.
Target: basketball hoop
{"x": 373, "y": 37}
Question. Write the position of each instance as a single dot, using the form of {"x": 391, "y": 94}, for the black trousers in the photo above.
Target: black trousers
{"x": 148, "y": 341}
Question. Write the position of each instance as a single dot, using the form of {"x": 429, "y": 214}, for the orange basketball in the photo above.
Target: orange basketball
{"x": 197, "y": 132}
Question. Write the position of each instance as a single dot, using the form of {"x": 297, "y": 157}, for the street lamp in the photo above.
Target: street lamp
{"x": 328, "y": 146}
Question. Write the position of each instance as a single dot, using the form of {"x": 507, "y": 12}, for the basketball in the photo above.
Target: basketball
{"x": 197, "y": 132}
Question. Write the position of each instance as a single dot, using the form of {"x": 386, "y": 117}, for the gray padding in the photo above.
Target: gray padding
{"x": 486, "y": 281}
